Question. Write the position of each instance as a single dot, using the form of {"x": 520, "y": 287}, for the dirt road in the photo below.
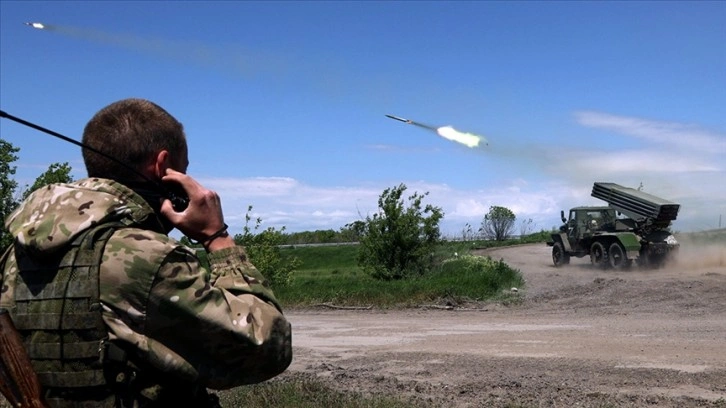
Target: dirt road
{"x": 580, "y": 337}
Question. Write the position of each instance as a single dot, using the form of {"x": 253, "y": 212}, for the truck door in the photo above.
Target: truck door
{"x": 573, "y": 230}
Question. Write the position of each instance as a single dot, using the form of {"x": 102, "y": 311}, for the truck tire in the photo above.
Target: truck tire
{"x": 617, "y": 256}
{"x": 598, "y": 255}
{"x": 559, "y": 256}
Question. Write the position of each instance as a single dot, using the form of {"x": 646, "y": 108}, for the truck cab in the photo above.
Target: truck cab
{"x": 583, "y": 224}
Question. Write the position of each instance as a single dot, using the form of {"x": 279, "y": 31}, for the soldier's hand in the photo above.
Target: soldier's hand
{"x": 202, "y": 220}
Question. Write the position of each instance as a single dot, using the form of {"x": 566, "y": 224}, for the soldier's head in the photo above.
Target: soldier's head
{"x": 139, "y": 133}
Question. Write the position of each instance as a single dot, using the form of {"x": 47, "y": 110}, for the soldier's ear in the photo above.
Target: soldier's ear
{"x": 162, "y": 163}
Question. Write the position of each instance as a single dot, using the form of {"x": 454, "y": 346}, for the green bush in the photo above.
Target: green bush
{"x": 263, "y": 249}
{"x": 399, "y": 241}
{"x": 478, "y": 278}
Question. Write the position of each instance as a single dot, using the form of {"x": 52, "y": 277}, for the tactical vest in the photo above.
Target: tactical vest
{"x": 57, "y": 311}
{"x": 58, "y": 314}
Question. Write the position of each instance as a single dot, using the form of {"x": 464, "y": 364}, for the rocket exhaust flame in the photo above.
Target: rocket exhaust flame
{"x": 467, "y": 139}
{"x": 39, "y": 26}
{"x": 449, "y": 133}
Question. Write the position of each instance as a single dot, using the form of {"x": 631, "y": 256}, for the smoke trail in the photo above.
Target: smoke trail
{"x": 233, "y": 60}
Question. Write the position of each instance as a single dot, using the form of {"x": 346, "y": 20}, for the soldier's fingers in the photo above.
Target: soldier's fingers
{"x": 189, "y": 185}
{"x": 167, "y": 210}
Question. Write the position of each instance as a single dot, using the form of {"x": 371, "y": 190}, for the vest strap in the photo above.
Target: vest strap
{"x": 56, "y": 290}
{"x": 52, "y": 321}
{"x": 79, "y": 350}
{"x": 73, "y": 379}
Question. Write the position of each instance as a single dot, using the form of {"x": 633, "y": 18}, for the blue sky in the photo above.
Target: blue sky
{"x": 284, "y": 102}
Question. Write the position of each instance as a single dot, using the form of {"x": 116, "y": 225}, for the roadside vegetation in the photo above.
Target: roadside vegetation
{"x": 399, "y": 259}
{"x": 307, "y": 393}
{"x": 402, "y": 261}
{"x": 329, "y": 276}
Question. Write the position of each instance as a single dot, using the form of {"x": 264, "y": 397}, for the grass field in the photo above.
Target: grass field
{"x": 330, "y": 275}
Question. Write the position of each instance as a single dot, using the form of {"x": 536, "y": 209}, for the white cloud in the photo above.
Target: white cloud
{"x": 670, "y": 134}
{"x": 253, "y": 186}
{"x": 643, "y": 161}
{"x": 680, "y": 162}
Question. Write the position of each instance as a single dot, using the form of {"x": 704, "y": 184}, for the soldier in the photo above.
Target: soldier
{"x": 114, "y": 311}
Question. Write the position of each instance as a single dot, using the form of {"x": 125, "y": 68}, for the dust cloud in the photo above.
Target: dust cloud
{"x": 701, "y": 256}
{"x": 702, "y": 249}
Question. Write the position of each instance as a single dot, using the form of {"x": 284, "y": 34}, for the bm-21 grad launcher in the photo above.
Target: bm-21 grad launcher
{"x": 633, "y": 228}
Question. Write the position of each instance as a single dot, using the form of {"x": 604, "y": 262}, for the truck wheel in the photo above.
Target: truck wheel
{"x": 617, "y": 257}
{"x": 598, "y": 255}
{"x": 559, "y": 256}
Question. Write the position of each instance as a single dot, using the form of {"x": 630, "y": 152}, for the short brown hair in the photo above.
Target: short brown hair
{"x": 132, "y": 131}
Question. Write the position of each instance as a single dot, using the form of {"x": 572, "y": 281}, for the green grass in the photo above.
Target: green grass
{"x": 330, "y": 275}
{"x": 323, "y": 257}
{"x": 298, "y": 393}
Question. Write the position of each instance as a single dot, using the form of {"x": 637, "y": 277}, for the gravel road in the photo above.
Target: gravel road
{"x": 580, "y": 337}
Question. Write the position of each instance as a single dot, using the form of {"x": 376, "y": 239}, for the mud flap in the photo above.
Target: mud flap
{"x": 631, "y": 243}
{"x": 565, "y": 242}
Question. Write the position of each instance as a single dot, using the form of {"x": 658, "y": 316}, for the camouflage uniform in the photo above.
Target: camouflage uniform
{"x": 177, "y": 322}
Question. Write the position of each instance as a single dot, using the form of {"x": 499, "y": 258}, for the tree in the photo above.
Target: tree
{"x": 7, "y": 188}
{"x": 353, "y": 232}
{"x": 263, "y": 249}
{"x": 399, "y": 241}
{"x": 526, "y": 227}
{"x": 467, "y": 234}
{"x": 498, "y": 223}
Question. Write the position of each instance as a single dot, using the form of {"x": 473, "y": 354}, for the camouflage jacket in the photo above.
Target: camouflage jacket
{"x": 218, "y": 328}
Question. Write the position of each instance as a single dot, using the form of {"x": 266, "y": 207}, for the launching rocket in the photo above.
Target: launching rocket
{"x": 410, "y": 122}
{"x": 398, "y": 119}
{"x": 449, "y": 133}
{"x": 39, "y": 26}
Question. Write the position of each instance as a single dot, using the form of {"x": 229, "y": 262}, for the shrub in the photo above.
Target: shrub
{"x": 399, "y": 241}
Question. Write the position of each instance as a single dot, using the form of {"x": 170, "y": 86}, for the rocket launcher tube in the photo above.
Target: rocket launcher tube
{"x": 636, "y": 204}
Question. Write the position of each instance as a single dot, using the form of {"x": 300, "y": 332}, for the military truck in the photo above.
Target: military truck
{"x": 633, "y": 228}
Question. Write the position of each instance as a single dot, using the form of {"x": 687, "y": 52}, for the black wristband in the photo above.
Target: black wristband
{"x": 221, "y": 233}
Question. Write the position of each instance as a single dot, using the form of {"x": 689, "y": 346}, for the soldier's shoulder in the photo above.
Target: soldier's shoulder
{"x": 137, "y": 242}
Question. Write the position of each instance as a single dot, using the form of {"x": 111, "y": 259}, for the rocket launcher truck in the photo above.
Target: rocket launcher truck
{"x": 633, "y": 228}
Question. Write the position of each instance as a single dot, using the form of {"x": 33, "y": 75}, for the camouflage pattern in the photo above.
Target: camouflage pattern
{"x": 219, "y": 328}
